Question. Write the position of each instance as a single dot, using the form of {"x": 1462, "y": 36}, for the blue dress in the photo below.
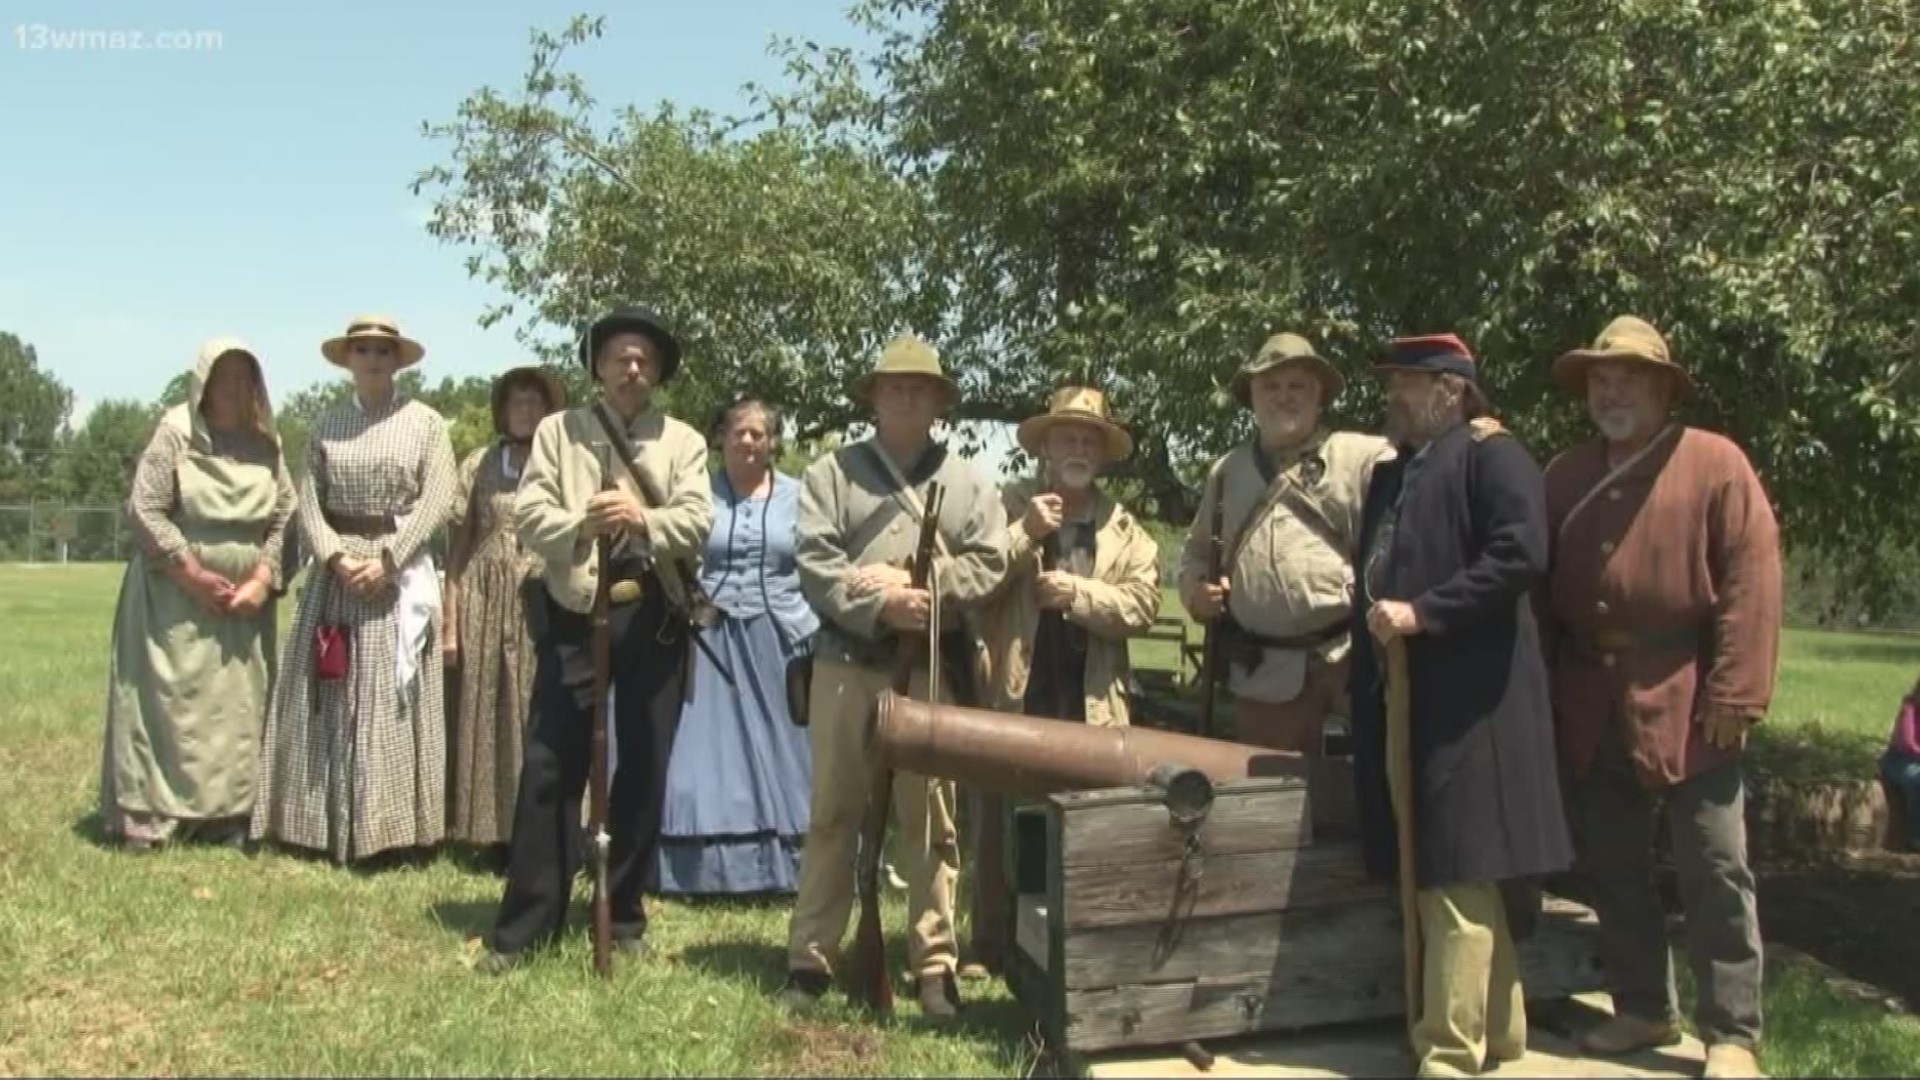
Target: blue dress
{"x": 739, "y": 782}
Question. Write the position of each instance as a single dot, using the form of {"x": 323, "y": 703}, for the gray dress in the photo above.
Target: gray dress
{"x": 188, "y": 689}
{"x": 358, "y": 765}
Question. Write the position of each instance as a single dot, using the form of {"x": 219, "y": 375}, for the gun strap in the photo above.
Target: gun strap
{"x": 649, "y": 493}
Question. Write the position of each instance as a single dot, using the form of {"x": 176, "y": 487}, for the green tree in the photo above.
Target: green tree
{"x": 34, "y": 406}
{"x": 97, "y": 462}
{"x": 783, "y": 258}
{"x": 1138, "y": 193}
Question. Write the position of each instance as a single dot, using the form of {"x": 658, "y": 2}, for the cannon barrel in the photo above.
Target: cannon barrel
{"x": 1011, "y": 754}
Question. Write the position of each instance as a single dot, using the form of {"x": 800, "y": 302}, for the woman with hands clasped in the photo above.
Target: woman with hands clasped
{"x": 192, "y": 666}
{"x": 355, "y": 755}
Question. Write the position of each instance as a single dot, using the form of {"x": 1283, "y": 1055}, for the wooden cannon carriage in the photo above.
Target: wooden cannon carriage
{"x": 1146, "y": 916}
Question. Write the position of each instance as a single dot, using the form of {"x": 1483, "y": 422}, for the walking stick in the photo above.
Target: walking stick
{"x": 871, "y": 986}
{"x": 1400, "y": 791}
{"x": 597, "y": 774}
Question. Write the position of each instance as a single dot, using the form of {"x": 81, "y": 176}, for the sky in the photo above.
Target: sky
{"x": 251, "y": 177}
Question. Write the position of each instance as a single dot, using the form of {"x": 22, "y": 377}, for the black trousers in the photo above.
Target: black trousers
{"x": 647, "y": 673}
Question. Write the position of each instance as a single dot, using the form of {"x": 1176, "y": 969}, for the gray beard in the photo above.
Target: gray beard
{"x": 1617, "y": 425}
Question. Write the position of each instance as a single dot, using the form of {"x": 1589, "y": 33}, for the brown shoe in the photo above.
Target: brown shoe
{"x": 939, "y": 996}
{"x": 1626, "y": 1033}
{"x": 1731, "y": 1060}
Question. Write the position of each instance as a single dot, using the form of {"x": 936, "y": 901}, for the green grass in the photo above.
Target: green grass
{"x": 213, "y": 962}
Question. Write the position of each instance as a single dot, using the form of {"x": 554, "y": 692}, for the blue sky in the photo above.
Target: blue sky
{"x": 257, "y": 183}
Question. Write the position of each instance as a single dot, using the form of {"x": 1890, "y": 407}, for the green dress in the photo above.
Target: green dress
{"x": 187, "y": 689}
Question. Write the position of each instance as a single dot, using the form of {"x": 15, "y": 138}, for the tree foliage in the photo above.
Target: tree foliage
{"x": 33, "y": 415}
{"x": 784, "y": 259}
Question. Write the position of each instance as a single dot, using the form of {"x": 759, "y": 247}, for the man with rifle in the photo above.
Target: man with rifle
{"x": 861, "y": 509}
{"x": 1283, "y": 510}
{"x": 623, "y": 471}
{"x": 1083, "y": 577}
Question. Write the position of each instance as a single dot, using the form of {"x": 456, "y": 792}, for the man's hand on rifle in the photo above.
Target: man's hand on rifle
{"x": 611, "y": 512}
{"x": 876, "y": 578}
{"x": 1054, "y": 590}
{"x": 906, "y": 609}
{"x": 1044, "y": 515}
{"x": 1208, "y": 600}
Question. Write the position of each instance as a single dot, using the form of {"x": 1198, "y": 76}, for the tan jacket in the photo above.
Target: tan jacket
{"x": 838, "y": 492}
{"x": 563, "y": 472}
{"x": 1291, "y": 576}
{"x": 1118, "y": 602}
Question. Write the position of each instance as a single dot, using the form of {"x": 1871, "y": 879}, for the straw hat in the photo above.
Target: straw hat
{"x": 376, "y": 328}
{"x": 537, "y": 377}
{"x": 905, "y": 355}
{"x": 1076, "y": 405}
{"x": 1627, "y": 339}
{"x": 1279, "y": 351}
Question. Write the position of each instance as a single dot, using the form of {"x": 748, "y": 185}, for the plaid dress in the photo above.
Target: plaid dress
{"x": 356, "y": 766}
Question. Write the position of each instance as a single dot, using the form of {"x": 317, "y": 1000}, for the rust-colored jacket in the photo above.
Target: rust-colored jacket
{"x": 1680, "y": 556}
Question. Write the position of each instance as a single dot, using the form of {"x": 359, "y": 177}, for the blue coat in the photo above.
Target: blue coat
{"x": 1470, "y": 545}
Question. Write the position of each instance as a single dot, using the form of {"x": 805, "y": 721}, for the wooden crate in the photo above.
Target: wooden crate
{"x": 1278, "y": 931}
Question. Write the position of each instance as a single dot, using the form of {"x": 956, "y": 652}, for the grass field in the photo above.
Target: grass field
{"x": 215, "y": 962}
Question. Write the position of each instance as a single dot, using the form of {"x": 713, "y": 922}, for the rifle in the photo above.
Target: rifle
{"x": 1050, "y": 561}
{"x": 872, "y": 986}
{"x": 701, "y": 612}
{"x": 597, "y": 776}
{"x": 1211, "y": 650}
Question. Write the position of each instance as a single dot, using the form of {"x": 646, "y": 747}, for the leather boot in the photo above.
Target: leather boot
{"x": 1626, "y": 1033}
{"x": 939, "y": 995}
{"x": 1731, "y": 1060}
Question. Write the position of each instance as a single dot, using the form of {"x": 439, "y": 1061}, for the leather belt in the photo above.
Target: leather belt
{"x": 366, "y": 526}
{"x": 1248, "y": 646}
{"x": 1606, "y": 642}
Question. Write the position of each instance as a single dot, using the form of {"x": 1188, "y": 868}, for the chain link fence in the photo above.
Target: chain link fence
{"x": 55, "y": 533}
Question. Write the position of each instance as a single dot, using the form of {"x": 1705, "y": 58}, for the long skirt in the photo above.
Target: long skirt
{"x": 187, "y": 691}
{"x": 739, "y": 784}
{"x": 495, "y": 689}
{"x": 356, "y": 766}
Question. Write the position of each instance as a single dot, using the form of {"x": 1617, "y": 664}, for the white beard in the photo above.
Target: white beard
{"x": 1617, "y": 425}
{"x": 1077, "y": 475}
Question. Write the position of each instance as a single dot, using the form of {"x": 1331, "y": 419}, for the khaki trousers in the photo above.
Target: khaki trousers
{"x": 1295, "y": 725}
{"x": 1472, "y": 1003}
{"x": 924, "y": 832}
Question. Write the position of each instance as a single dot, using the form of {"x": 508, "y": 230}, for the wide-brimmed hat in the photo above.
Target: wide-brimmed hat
{"x": 374, "y": 328}
{"x": 532, "y": 375}
{"x": 905, "y": 355}
{"x": 1279, "y": 351}
{"x": 1075, "y": 405}
{"x": 1627, "y": 339}
{"x": 633, "y": 319}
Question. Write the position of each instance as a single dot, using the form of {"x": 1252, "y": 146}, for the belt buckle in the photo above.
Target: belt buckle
{"x": 624, "y": 591}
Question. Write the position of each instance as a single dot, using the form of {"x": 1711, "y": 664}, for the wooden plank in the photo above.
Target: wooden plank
{"x": 1286, "y": 880}
{"x": 1110, "y": 830}
{"x": 1257, "y": 943}
{"x": 1558, "y": 961}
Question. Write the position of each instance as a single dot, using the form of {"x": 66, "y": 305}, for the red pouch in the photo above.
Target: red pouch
{"x": 330, "y": 653}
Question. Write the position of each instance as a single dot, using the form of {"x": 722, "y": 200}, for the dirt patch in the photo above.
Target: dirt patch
{"x": 1856, "y": 916}
{"x": 810, "y": 1049}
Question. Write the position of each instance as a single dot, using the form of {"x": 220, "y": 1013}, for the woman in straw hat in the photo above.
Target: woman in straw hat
{"x": 192, "y": 666}
{"x": 484, "y": 629}
{"x": 354, "y": 761}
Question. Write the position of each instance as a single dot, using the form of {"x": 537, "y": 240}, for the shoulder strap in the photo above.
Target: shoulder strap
{"x": 617, "y": 432}
{"x": 1614, "y": 474}
{"x": 1282, "y": 486}
{"x": 905, "y": 492}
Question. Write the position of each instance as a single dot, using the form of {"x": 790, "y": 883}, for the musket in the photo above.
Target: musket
{"x": 597, "y": 773}
{"x": 871, "y": 985}
{"x": 1210, "y": 650}
{"x": 1049, "y": 562}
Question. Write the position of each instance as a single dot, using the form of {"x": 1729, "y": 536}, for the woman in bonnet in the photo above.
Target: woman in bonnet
{"x": 192, "y": 666}
{"x": 485, "y": 638}
{"x": 354, "y": 758}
